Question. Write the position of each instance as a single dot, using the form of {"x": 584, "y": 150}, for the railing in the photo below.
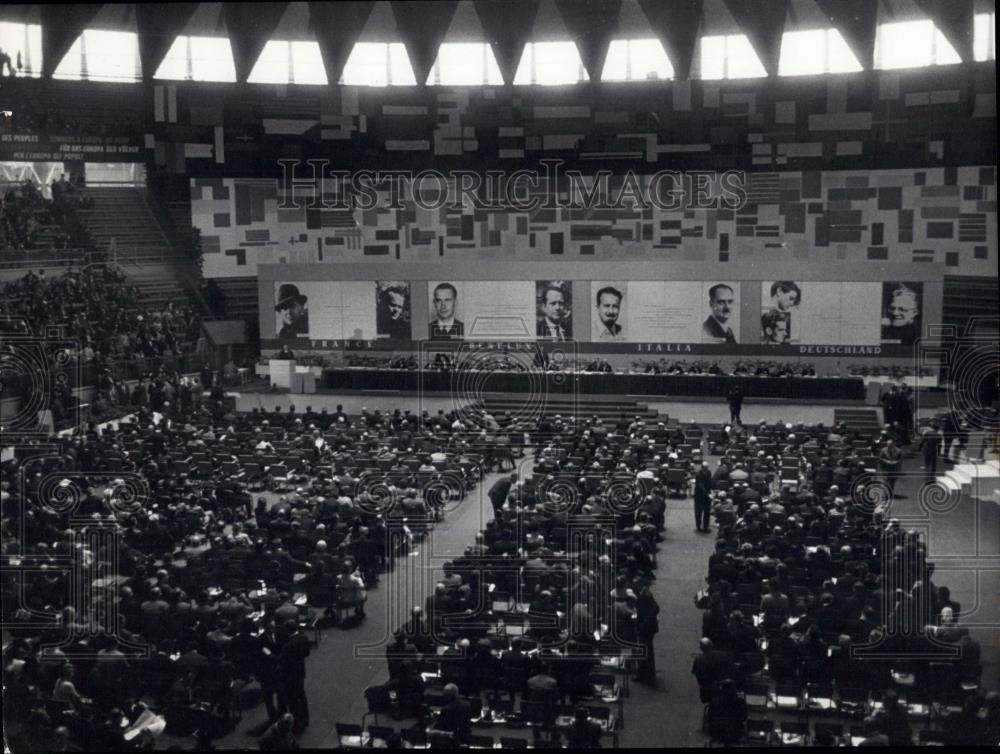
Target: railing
{"x": 120, "y": 254}
{"x": 131, "y": 254}
{"x": 19, "y": 260}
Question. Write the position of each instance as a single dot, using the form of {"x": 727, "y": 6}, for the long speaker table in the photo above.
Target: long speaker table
{"x": 475, "y": 383}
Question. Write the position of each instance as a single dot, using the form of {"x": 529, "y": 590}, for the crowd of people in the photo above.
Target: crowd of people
{"x": 98, "y": 308}
{"x": 206, "y": 578}
{"x": 582, "y": 605}
{"x": 893, "y": 372}
{"x": 505, "y": 362}
{"x": 209, "y": 579}
{"x": 898, "y": 409}
{"x": 741, "y": 368}
{"x": 808, "y": 568}
{"x": 29, "y": 221}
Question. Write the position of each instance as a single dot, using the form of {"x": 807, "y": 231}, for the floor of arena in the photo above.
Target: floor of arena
{"x": 335, "y": 685}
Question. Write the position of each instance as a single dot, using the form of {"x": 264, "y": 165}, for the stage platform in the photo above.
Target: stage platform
{"x": 475, "y": 384}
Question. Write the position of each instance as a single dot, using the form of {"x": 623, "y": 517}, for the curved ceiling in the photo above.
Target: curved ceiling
{"x": 506, "y": 24}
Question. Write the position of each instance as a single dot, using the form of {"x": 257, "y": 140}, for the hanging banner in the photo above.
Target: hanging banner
{"x": 89, "y": 148}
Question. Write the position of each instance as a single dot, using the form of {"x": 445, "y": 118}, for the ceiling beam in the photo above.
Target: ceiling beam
{"x": 158, "y": 26}
{"x": 250, "y": 26}
{"x": 507, "y": 25}
{"x": 61, "y": 25}
{"x": 763, "y": 21}
{"x": 856, "y": 20}
{"x": 955, "y": 20}
{"x": 593, "y": 25}
{"x": 337, "y": 26}
{"x": 423, "y": 24}
{"x": 677, "y": 24}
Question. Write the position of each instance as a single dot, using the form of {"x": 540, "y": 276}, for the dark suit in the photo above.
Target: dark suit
{"x": 586, "y": 735}
{"x": 396, "y": 329}
{"x": 436, "y": 332}
{"x": 542, "y": 329}
{"x": 702, "y": 499}
{"x": 711, "y": 328}
{"x": 906, "y": 335}
{"x": 297, "y": 329}
{"x": 294, "y": 651}
{"x": 455, "y": 718}
{"x": 930, "y": 446}
{"x": 267, "y": 671}
{"x": 498, "y": 494}
{"x": 710, "y": 668}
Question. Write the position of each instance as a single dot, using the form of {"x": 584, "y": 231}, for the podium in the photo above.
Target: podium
{"x": 282, "y": 373}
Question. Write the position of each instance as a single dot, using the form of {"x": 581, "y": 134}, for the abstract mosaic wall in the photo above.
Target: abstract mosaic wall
{"x": 942, "y": 215}
{"x": 881, "y": 119}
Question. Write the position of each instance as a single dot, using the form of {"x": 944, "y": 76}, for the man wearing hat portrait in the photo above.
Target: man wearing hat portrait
{"x": 292, "y": 309}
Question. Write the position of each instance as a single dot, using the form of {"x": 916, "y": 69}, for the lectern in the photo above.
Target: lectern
{"x": 282, "y": 372}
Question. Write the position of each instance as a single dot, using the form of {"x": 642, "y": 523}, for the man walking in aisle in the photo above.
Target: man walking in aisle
{"x": 702, "y": 498}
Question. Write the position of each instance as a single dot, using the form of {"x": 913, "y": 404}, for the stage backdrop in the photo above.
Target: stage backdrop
{"x": 691, "y": 312}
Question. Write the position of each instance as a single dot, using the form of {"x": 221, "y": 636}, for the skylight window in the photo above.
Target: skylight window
{"x": 729, "y": 56}
{"x": 636, "y": 60}
{"x": 198, "y": 59}
{"x": 378, "y": 64}
{"x": 912, "y": 44}
{"x": 465, "y": 64}
{"x": 102, "y": 55}
{"x": 815, "y": 51}
{"x": 550, "y": 64}
{"x": 984, "y": 40}
{"x": 288, "y": 62}
{"x": 23, "y": 43}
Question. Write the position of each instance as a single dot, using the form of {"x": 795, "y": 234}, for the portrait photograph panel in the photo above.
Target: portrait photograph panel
{"x": 722, "y": 310}
{"x": 902, "y": 304}
{"x": 608, "y": 304}
{"x": 780, "y": 318}
{"x": 444, "y": 320}
{"x": 291, "y": 310}
{"x": 393, "y": 313}
{"x": 555, "y": 309}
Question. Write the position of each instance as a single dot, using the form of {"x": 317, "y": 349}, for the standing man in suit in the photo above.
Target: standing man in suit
{"x": 890, "y": 461}
{"x": 445, "y": 325}
{"x": 735, "y": 397}
{"x": 267, "y": 668}
{"x": 703, "y": 498}
{"x": 294, "y": 650}
{"x": 717, "y": 329}
{"x": 930, "y": 446}
{"x": 556, "y": 322}
{"x": 647, "y": 626}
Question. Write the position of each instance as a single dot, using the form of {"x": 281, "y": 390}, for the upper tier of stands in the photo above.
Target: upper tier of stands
{"x": 31, "y": 224}
{"x": 108, "y": 322}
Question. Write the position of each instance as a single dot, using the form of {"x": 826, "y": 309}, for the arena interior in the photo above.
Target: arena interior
{"x": 499, "y": 374}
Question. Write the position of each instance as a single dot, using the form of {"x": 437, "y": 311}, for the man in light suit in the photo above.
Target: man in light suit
{"x": 716, "y": 329}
